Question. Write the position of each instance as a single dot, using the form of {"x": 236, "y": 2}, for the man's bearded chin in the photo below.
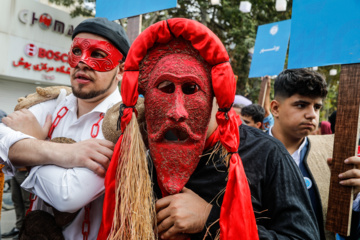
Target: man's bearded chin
{"x": 79, "y": 93}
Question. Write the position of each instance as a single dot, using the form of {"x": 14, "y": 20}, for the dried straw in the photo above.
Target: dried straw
{"x": 134, "y": 216}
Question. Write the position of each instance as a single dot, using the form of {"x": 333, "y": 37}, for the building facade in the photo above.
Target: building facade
{"x": 34, "y": 42}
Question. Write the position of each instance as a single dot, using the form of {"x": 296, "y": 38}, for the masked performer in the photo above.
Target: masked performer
{"x": 179, "y": 66}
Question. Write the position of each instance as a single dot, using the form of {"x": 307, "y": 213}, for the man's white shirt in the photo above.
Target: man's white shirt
{"x": 68, "y": 190}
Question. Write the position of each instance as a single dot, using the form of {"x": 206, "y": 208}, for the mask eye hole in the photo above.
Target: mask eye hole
{"x": 166, "y": 87}
{"x": 98, "y": 54}
{"x": 76, "y": 51}
{"x": 190, "y": 88}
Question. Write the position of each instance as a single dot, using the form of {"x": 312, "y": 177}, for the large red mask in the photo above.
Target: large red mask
{"x": 99, "y": 55}
{"x": 178, "y": 103}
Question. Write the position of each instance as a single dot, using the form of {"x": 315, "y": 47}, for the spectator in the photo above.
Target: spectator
{"x": 253, "y": 115}
{"x": 68, "y": 179}
{"x": 239, "y": 103}
{"x": 325, "y": 128}
{"x": 299, "y": 95}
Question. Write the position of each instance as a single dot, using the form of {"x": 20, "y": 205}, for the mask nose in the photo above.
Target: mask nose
{"x": 178, "y": 112}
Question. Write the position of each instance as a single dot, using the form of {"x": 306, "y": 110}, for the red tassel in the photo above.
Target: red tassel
{"x": 109, "y": 199}
{"x": 237, "y": 220}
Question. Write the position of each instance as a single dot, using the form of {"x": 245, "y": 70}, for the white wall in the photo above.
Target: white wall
{"x": 10, "y": 91}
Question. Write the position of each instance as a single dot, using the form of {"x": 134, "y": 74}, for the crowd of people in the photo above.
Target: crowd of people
{"x": 189, "y": 160}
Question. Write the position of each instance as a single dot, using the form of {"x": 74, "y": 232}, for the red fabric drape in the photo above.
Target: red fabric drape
{"x": 237, "y": 220}
{"x": 109, "y": 199}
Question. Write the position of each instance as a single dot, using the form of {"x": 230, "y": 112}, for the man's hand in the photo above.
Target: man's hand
{"x": 351, "y": 177}
{"x": 24, "y": 121}
{"x": 94, "y": 154}
{"x": 181, "y": 214}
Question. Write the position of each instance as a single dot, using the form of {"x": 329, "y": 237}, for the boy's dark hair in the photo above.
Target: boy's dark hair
{"x": 255, "y": 111}
{"x": 300, "y": 81}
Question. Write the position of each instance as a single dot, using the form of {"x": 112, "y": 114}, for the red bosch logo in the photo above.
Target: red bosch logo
{"x": 45, "y": 21}
{"x": 31, "y": 50}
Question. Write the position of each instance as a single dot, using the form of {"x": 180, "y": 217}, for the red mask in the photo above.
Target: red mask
{"x": 178, "y": 103}
{"x": 99, "y": 55}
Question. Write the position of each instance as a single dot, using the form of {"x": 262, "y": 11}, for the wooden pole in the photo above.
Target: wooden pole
{"x": 263, "y": 88}
{"x": 345, "y": 145}
{"x": 134, "y": 27}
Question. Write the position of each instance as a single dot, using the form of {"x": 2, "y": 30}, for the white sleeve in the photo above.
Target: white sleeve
{"x": 8, "y": 136}
{"x": 67, "y": 190}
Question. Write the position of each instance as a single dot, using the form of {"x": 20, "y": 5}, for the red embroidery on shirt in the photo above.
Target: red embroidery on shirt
{"x": 63, "y": 111}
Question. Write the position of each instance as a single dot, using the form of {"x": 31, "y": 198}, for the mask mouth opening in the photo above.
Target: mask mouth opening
{"x": 176, "y": 135}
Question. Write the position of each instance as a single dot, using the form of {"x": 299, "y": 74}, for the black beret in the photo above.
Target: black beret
{"x": 106, "y": 29}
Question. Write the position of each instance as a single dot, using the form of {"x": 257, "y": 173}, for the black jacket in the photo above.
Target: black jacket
{"x": 280, "y": 201}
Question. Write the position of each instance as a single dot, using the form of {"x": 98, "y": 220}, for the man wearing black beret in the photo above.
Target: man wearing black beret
{"x": 68, "y": 179}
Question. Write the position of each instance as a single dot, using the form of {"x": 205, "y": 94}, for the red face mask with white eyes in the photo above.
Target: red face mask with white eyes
{"x": 99, "y": 55}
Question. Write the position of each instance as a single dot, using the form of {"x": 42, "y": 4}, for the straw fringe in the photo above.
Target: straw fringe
{"x": 223, "y": 154}
{"x": 134, "y": 213}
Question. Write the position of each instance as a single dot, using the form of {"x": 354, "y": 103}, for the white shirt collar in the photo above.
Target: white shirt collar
{"x": 270, "y": 131}
{"x": 108, "y": 102}
{"x": 297, "y": 154}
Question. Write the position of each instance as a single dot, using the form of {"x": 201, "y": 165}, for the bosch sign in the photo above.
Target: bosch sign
{"x": 31, "y": 50}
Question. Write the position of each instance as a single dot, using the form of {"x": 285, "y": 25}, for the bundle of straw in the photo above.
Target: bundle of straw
{"x": 135, "y": 215}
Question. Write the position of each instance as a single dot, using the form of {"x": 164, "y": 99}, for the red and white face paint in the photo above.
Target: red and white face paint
{"x": 99, "y": 55}
{"x": 178, "y": 103}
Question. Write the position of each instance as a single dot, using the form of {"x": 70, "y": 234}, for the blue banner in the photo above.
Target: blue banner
{"x": 270, "y": 49}
{"x": 324, "y": 32}
{"x": 119, "y": 9}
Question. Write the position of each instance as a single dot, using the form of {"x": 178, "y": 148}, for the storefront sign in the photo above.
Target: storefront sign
{"x": 49, "y": 61}
{"x": 31, "y": 50}
{"x": 41, "y": 67}
{"x": 45, "y": 22}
